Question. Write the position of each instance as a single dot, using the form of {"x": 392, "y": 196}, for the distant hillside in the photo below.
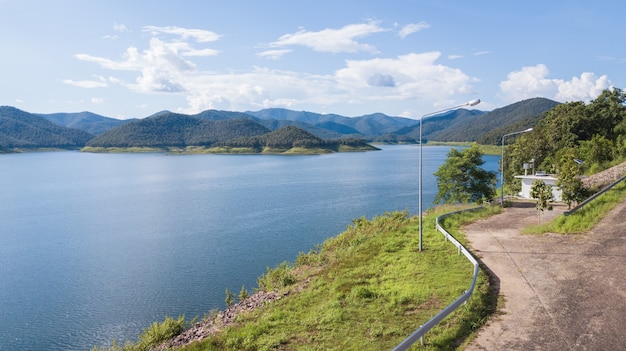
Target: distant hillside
{"x": 491, "y": 125}
{"x": 168, "y": 129}
{"x": 320, "y": 132}
{"x": 291, "y": 137}
{"x": 86, "y": 121}
{"x": 367, "y": 125}
{"x": 437, "y": 124}
{"x": 20, "y": 129}
{"x": 216, "y": 115}
{"x": 214, "y": 126}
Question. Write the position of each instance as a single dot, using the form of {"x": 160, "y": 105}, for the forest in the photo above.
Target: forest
{"x": 592, "y": 136}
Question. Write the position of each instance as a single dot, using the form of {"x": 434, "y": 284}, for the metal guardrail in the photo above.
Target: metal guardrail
{"x": 592, "y": 197}
{"x": 423, "y": 329}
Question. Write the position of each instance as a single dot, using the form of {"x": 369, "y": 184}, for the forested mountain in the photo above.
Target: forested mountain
{"x": 20, "y": 129}
{"x": 167, "y": 129}
{"x": 293, "y": 137}
{"x": 437, "y": 124}
{"x": 86, "y": 121}
{"x": 216, "y": 115}
{"x": 367, "y": 125}
{"x": 322, "y": 131}
{"x": 492, "y": 125}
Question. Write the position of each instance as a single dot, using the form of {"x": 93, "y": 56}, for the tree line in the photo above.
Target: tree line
{"x": 572, "y": 139}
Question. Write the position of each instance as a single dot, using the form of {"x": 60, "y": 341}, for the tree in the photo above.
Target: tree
{"x": 543, "y": 193}
{"x": 460, "y": 178}
{"x": 243, "y": 293}
{"x": 572, "y": 190}
{"x": 229, "y": 300}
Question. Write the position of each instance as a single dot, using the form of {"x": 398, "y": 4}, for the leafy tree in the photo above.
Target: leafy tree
{"x": 572, "y": 190}
{"x": 543, "y": 194}
{"x": 230, "y": 299}
{"x": 596, "y": 130}
{"x": 460, "y": 178}
{"x": 243, "y": 293}
{"x": 597, "y": 150}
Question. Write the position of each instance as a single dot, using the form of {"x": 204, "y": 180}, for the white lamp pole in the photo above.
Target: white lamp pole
{"x": 470, "y": 103}
{"x": 502, "y": 164}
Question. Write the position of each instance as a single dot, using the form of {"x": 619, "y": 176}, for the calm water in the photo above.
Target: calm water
{"x": 95, "y": 247}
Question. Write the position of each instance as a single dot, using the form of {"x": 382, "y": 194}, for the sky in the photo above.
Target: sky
{"x": 131, "y": 59}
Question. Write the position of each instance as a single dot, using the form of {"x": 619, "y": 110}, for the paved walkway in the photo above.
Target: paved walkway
{"x": 560, "y": 292}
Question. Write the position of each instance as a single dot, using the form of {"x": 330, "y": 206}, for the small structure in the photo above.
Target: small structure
{"x": 549, "y": 179}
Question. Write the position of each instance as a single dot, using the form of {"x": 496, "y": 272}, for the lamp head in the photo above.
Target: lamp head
{"x": 473, "y": 102}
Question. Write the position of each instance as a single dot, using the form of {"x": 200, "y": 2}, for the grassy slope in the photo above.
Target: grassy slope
{"x": 366, "y": 289}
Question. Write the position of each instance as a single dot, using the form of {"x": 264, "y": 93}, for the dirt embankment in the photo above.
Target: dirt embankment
{"x": 604, "y": 178}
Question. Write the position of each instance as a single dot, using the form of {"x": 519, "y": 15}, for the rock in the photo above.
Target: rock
{"x": 214, "y": 324}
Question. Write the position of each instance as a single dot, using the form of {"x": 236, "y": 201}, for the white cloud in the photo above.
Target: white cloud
{"x": 414, "y": 75}
{"x": 413, "y": 28}
{"x": 533, "y": 81}
{"x": 97, "y": 101}
{"x": 200, "y": 35}
{"x": 274, "y": 54}
{"x": 161, "y": 66}
{"x": 85, "y": 83}
{"x": 333, "y": 40}
{"x": 119, "y": 28}
{"x": 585, "y": 88}
{"x": 166, "y": 67}
{"x": 201, "y": 52}
{"x": 454, "y": 57}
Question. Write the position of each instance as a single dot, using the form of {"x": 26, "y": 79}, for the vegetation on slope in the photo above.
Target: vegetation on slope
{"x": 488, "y": 126}
{"x": 176, "y": 130}
{"x": 19, "y": 129}
{"x": 365, "y": 289}
{"x": 594, "y": 133}
{"x": 86, "y": 121}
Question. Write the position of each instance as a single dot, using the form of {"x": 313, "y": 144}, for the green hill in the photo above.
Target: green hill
{"x": 437, "y": 124}
{"x": 291, "y": 137}
{"x": 489, "y": 127}
{"x": 20, "y": 129}
{"x": 86, "y": 121}
{"x": 168, "y": 129}
{"x": 367, "y": 125}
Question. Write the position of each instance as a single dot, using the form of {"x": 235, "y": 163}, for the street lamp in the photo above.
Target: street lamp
{"x": 469, "y": 103}
{"x": 502, "y": 164}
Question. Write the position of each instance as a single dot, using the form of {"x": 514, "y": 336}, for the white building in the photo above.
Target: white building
{"x": 527, "y": 184}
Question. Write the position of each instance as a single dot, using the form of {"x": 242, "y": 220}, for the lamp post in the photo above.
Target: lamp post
{"x": 469, "y": 103}
{"x": 502, "y": 164}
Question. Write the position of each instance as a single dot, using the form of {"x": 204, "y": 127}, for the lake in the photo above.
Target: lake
{"x": 95, "y": 247}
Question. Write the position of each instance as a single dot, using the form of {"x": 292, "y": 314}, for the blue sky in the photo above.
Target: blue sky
{"x": 128, "y": 59}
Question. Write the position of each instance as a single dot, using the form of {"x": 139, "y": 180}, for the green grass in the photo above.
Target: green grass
{"x": 485, "y": 149}
{"x": 584, "y": 219}
{"x": 365, "y": 289}
{"x": 151, "y": 336}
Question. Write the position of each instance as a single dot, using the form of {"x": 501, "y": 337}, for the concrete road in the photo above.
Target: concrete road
{"x": 560, "y": 292}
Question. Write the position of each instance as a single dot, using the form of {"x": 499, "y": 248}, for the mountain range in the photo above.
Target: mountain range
{"x": 20, "y": 129}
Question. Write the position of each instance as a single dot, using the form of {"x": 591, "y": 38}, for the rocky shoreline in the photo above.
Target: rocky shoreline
{"x": 214, "y": 324}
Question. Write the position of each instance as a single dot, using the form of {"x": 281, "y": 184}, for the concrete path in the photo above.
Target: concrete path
{"x": 559, "y": 292}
